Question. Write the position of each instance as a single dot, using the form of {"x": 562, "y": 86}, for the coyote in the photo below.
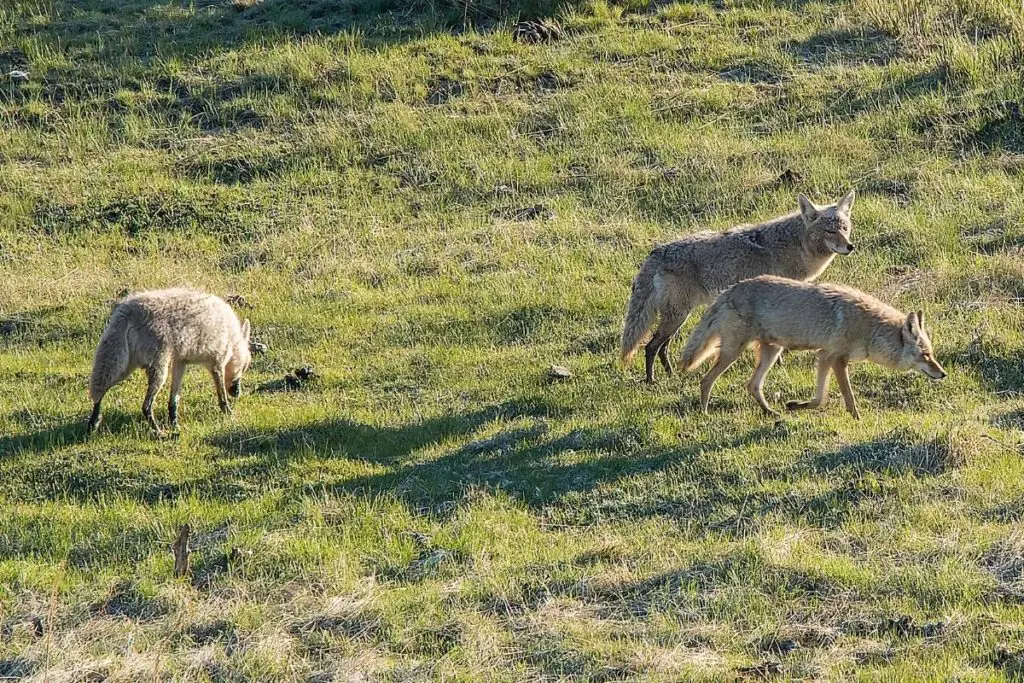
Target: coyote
{"x": 681, "y": 275}
{"x": 167, "y": 330}
{"x": 843, "y": 324}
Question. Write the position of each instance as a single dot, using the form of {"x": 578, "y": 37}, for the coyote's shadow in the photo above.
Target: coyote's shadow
{"x": 371, "y": 443}
{"x": 66, "y": 434}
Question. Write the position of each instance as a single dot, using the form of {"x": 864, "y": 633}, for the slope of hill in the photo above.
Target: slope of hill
{"x": 432, "y": 213}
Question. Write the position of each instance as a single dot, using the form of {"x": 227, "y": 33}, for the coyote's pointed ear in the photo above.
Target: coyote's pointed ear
{"x": 846, "y": 203}
{"x": 912, "y": 328}
{"x": 807, "y": 210}
{"x": 246, "y": 329}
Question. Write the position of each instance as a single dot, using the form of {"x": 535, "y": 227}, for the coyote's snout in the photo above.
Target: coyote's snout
{"x": 843, "y": 324}
{"x": 681, "y": 275}
{"x": 167, "y": 330}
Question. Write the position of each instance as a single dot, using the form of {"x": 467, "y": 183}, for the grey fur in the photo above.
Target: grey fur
{"x": 164, "y": 331}
{"x": 681, "y": 275}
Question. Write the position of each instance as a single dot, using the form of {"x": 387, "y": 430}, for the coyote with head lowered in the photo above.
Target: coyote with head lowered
{"x": 681, "y": 275}
{"x": 164, "y": 331}
{"x": 842, "y": 324}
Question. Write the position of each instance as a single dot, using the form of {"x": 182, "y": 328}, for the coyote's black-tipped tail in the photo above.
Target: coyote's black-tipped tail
{"x": 111, "y": 360}
{"x": 641, "y": 312}
{"x": 704, "y": 338}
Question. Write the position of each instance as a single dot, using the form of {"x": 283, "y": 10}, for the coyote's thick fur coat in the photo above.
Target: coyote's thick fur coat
{"x": 843, "y": 324}
{"x": 690, "y": 272}
{"x": 163, "y": 331}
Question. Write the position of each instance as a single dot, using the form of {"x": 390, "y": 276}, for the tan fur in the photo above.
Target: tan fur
{"x": 843, "y": 324}
{"x": 681, "y": 275}
{"x": 164, "y": 331}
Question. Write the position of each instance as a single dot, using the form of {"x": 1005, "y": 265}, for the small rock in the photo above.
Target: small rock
{"x": 559, "y": 372}
{"x": 258, "y": 348}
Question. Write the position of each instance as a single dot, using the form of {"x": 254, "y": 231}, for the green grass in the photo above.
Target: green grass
{"x": 433, "y": 507}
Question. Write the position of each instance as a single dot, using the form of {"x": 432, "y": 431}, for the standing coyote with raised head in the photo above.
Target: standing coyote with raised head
{"x": 843, "y": 324}
{"x": 690, "y": 272}
{"x": 166, "y": 330}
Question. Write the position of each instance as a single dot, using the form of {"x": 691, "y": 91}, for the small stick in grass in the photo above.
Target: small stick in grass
{"x": 181, "y": 552}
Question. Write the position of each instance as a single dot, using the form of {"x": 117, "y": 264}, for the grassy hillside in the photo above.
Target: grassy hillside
{"x": 433, "y": 506}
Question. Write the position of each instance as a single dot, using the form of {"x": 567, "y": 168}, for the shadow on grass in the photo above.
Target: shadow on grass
{"x": 104, "y": 30}
{"x": 588, "y": 475}
{"x": 846, "y": 46}
{"x": 1000, "y": 370}
{"x": 371, "y": 443}
{"x": 67, "y": 434}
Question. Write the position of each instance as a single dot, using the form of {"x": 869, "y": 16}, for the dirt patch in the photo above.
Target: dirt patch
{"x": 846, "y": 46}
{"x": 1009, "y": 660}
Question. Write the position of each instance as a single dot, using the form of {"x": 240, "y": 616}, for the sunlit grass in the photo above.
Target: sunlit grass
{"x": 434, "y": 505}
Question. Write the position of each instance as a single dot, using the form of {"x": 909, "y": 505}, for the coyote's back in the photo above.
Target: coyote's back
{"x": 165, "y": 330}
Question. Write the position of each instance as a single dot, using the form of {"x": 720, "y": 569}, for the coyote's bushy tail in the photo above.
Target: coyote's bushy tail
{"x": 111, "y": 359}
{"x": 704, "y": 338}
{"x": 642, "y": 310}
